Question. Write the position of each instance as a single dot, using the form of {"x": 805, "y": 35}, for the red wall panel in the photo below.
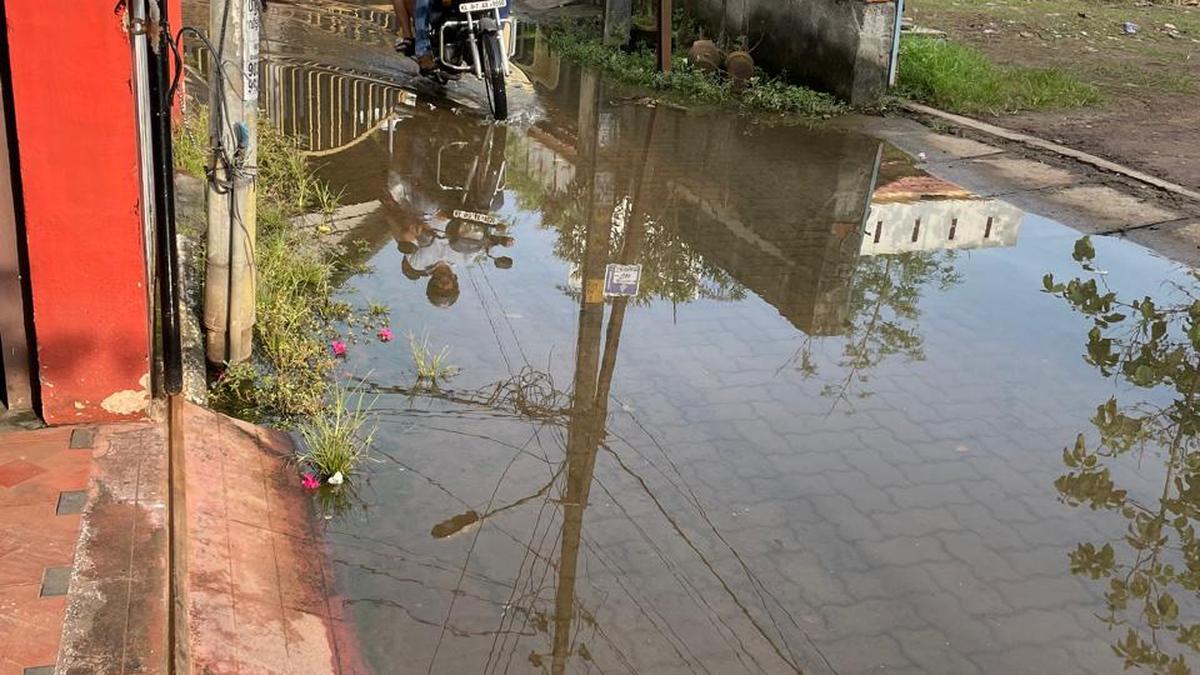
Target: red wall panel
{"x": 76, "y": 132}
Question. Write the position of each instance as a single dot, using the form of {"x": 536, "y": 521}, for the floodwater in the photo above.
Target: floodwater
{"x": 821, "y": 429}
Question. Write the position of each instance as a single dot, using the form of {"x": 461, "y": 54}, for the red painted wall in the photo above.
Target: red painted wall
{"x": 71, "y": 85}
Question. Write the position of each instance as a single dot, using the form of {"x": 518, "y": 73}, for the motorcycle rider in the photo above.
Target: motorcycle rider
{"x": 412, "y": 22}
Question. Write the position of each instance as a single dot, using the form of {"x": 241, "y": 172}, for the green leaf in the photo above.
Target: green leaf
{"x": 1084, "y": 251}
{"x": 1147, "y": 308}
{"x": 1167, "y": 609}
{"x": 1143, "y": 376}
{"x": 1158, "y": 329}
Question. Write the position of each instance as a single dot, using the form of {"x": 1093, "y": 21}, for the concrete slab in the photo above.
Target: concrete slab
{"x": 914, "y": 138}
{"x": 996, "y": 175}
{"x": 1178, "y": 241}
{"x": 939, "y": 146}
{"x": 83, "y": 438}
{"x": 1099, "y": 209}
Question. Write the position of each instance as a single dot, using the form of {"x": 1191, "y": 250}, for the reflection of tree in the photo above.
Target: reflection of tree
{"x": 885, "y": 296}
{"x": 671, "y": 269}
{"x": 1156, "y": 566}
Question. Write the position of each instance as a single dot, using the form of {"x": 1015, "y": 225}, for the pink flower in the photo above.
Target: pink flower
{"x": 339, "y": 348}
{"x": 310, "y": 481}
{"x": 385, "y": 334}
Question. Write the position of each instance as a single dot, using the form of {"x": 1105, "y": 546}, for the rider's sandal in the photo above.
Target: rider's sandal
{"x": 428, "y": 68}
{"x": 406, "y": 46}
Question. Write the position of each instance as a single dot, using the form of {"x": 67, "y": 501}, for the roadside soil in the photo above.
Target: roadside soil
{"x": 1149, "y": 118}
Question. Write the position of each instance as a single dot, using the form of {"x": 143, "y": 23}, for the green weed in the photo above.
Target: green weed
{"x": 337, "y": 439}
{"x": 961, "y": 79}
{"x": 580, "y": 43}
{"x": 295, "y": 312}
{"x": 189, "y": 143}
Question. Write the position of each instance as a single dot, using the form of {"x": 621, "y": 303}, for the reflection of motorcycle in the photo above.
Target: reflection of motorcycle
{"x": 470, "y": 36}
{"x": 459, "y": 181}
{"x": 479, "y": 177}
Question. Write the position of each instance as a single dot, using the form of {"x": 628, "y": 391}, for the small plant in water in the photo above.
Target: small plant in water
{"x": 430, "y": 367}
{"x": 337, "y": 439}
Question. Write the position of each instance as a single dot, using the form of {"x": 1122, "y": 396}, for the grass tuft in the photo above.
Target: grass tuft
{"x": 431, "y": 367}
{"x": 190, "y": 143}
{"x": 961, "y": 79}
{"x": 337, "y": 439}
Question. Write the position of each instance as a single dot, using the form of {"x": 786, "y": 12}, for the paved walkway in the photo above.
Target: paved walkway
{"x": 83, "y": 554}
{"x": 43, "y": 484}
{"x": 261, "y": 584}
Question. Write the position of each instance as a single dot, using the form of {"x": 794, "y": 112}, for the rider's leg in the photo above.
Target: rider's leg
{"x": 421, "y": 26}
{"x": 404, "y": 29}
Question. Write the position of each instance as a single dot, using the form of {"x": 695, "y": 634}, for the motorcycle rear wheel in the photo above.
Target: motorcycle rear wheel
{"x": 493, "y": 75}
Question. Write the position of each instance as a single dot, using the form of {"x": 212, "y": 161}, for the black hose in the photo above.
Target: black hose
{"x": 167, "y": 255}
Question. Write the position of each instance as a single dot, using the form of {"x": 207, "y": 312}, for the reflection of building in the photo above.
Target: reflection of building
{"x": 327, "y": 109}
{"x": 923, "y": 213}
{"x": 779, "y": 210}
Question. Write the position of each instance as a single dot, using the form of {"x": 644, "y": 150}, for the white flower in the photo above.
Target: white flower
{"x": 336, "y": 479}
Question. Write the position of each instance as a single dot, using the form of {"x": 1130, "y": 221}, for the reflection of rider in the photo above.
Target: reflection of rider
{"x": 427, "y": 253}
{"x": 427, "y": 188}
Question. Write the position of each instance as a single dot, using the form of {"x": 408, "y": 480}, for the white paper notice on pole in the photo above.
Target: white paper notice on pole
{"x": 622, "y": 279}
{"x": 252, "y": 28}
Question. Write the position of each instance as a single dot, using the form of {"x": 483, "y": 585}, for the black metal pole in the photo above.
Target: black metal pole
{"x": 167, "y": 256}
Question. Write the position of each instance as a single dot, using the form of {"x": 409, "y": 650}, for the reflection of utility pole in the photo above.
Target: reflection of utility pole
{"x": 233, "y": 114}
{"x": 589, "y": 410}
{"x": 583, "y": 430}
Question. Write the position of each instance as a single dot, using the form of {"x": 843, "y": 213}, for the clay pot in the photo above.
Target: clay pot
{"x": 740, "y": 67}
{"x": 705, "y": 55}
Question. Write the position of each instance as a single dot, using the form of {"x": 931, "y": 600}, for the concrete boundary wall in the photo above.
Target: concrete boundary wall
{"x": 840, "y": 46}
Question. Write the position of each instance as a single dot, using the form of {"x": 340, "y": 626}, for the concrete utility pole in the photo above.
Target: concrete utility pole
{"x": 233, "y": 113}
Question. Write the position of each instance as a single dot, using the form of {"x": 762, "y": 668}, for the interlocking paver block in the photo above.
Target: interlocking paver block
{"x": 18, "y": 471}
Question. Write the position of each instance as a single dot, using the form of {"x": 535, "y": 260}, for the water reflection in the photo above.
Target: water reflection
{"x": 559, "y": 632}
{"x": 848, "y": 254}
{"x": 327, "y": 109}
{"x": 446, "y": 182}
{"x": 633, "y": 484}
{"x": 1151, "y": 576}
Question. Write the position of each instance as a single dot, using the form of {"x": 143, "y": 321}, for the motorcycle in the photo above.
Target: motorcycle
{"x": 475, "y": 37}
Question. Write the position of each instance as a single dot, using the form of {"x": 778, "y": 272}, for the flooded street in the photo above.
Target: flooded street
{"x": 822, "y": 434}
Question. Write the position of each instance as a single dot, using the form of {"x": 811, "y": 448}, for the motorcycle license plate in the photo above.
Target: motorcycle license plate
{"x": 482, "y": 6}
{"x": 476, "y": 217}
